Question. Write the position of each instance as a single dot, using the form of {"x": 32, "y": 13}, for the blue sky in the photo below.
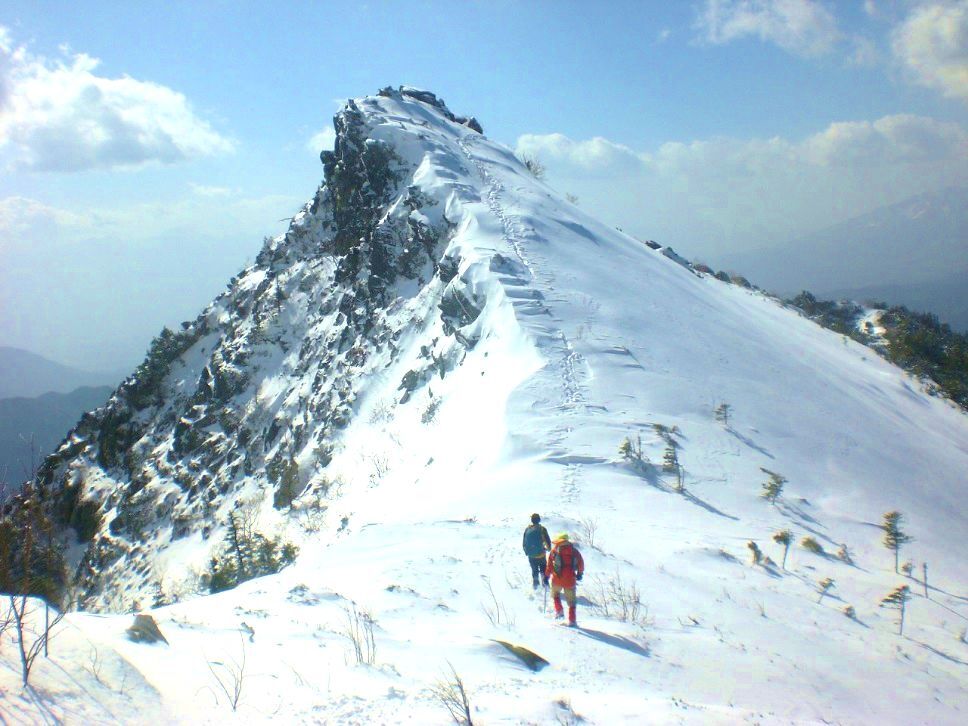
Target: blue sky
{"x": 146, "y": 148}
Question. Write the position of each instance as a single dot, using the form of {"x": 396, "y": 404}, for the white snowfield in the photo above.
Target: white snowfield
{"x": 587, "y": 337}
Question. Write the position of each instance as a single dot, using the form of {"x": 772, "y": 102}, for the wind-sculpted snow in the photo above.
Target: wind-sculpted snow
{"x": 441, "y": 345}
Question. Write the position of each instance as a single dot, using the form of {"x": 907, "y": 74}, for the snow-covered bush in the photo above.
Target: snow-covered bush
{"x": 755, "y": 552}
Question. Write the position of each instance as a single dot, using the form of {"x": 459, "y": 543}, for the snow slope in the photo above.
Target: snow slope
{"x": 538, "y": 341}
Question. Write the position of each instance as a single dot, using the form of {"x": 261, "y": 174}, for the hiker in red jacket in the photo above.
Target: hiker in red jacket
{"x": 565, "y": 568}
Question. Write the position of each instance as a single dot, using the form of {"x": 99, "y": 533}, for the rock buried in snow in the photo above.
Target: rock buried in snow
{"x": 145, "y": 630}
{"x": 531, "y": 659}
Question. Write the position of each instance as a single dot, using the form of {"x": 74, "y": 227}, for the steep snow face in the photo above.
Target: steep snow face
{"x": 439, "y": 346}
{"x": 376, "y": 289}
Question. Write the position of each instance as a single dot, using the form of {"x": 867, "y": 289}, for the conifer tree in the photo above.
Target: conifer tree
{"x": 755, "y": 552}
{"x": 670, "y": 463}
{"x": 893, "y": 536}
{"x": 772, "y": 487}
{"x": 723, "y": 412}
{"x": 824, "y": 586}
{"x": 784, "y": 537}
{"x": 898, "y": 599}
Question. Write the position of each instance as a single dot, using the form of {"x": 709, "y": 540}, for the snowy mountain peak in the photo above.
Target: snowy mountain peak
{"x": 440, "y": 345}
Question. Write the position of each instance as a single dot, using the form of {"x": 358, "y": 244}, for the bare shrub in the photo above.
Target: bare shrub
{"x": 31, "y": 641}
{"x": 495, "y": 611}
{"x": 359, "y": 631}
{"x": 382, "y": 411}
{"x": 620, "y": 600}
{"x": 95, "y": 664}
{"x": 380, "y": 466}
{"x": 533, "y": 165}
{"x": 587, "y": 529}
{"x": 452, "y": 695}
{"x": 229, "y": 676}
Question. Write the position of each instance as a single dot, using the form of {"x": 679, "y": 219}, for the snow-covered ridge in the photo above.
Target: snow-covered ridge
{"x": 440, "y": 345}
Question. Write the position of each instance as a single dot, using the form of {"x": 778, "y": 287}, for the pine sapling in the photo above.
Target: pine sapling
{"x": 632, "y": 452}
{"x": 850, "y": 612}
{"x": 824, "y": 586}
{"x": 670, "y": 463}
{"x": 907, "y": 568}
{"x": 773, "y": 486}
{"x": 784, "y": 537}
{"x": 898, "y": 599}
{"x": 723, "y": 412}
{"x": 893, "y": 536}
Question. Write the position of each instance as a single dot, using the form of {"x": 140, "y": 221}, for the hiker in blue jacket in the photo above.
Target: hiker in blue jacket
{"x": 536, "y": 542}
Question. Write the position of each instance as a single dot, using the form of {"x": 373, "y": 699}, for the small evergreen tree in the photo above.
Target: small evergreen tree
{"x": 670, "y": 463}
{"x": 755, "y": 552}
{"x": 723, "y": 412}
{"x": 898, "y": 599}
{"x": 784, "y": 537}
{"x": 824, "y": 586}
{"x": 772, "y": 487}
{"x": 893, "y": 536}
{"x": 632, "y": 452}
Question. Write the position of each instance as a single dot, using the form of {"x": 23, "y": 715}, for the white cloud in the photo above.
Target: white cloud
{"x": 322, "y": 140}
{"x": 203, "y": 190}
{"x": 61, "y": 116}
{"x": 27, "y": 220}
{"x": 597, "y": 156}
{"x": 803, "y": 27}
{"x": 899, "y": 139}
{"x": 27, "y": 223}
{"x": 863, "y": 52}
{"x": 706, "y": 193}
{"x": 932, "y": 43}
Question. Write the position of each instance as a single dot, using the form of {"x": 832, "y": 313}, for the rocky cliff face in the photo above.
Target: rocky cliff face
{"x": 249, "y": 400}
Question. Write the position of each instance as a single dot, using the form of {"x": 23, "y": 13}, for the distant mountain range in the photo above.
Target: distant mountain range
{"x": 44, "y": 420}
{"x": 27, "y": 374}
{"x": 912, "y": 253}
